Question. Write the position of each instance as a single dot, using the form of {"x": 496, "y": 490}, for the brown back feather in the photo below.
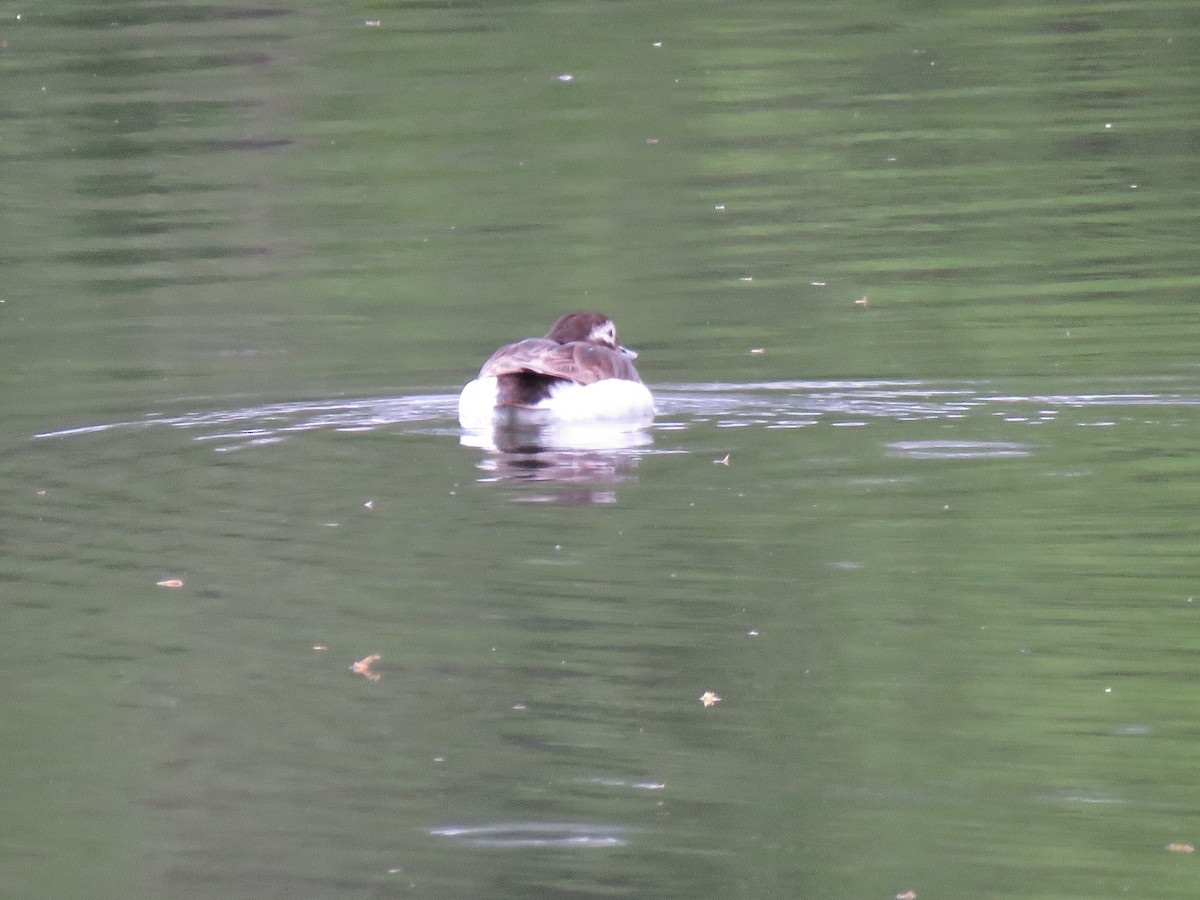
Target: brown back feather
{"x": 578, "y": 361}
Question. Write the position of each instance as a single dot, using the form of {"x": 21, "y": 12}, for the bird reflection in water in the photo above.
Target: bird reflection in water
{"x": 580, "y": 462}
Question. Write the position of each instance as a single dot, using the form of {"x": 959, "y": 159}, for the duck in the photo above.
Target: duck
{"x": 577, "y": 374}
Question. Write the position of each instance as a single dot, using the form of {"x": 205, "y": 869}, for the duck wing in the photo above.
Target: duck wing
{"x": 578, "y": 361}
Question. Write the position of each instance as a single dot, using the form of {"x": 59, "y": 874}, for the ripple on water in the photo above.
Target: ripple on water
{"x": 958, "y": 449}
{"x": 519, "y": 835}
{"x": 766, "y": 405}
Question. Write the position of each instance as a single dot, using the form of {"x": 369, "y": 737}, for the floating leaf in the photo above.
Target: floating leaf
{"x": 363, "y": 667}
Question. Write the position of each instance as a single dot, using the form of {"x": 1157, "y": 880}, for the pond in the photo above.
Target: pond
{"x": 891, "y": 599}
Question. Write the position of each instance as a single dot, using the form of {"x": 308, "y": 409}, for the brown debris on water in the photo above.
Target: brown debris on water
{"x": 1181, "y": 848}
{"x": 363, "y": 667}
{"x": 170, "y": 583}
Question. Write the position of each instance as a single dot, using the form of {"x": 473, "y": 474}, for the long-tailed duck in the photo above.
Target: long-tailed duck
{"x": 576, "y": 373}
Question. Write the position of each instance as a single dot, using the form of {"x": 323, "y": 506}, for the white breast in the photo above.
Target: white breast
{"x": 611, "y": 400}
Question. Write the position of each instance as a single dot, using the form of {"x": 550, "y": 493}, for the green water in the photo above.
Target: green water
{"x": 914, "y": 285}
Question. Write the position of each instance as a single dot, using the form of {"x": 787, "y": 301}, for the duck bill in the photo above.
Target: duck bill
{"x": 626, "y": 351}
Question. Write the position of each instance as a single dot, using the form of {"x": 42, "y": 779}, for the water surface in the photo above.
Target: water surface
{"x": 914, "y": 288}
